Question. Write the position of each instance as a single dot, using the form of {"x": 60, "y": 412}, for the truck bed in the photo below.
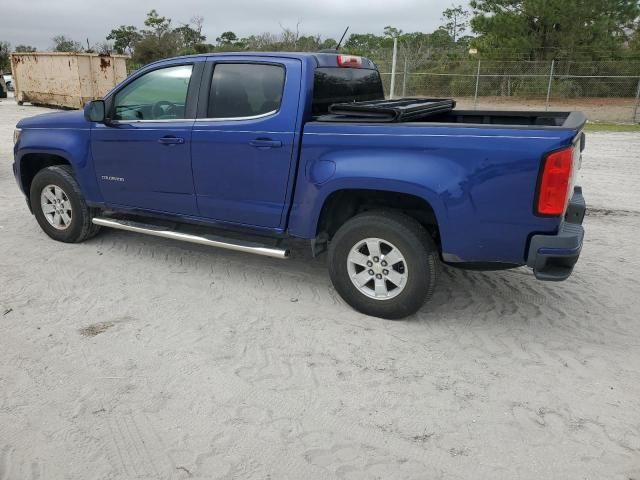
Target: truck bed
{"x": 567, "y": 120}
{"x": 462, "y": 162}
{"x": 442, "y": 111}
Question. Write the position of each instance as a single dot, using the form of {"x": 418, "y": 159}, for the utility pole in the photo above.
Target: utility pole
{"x": 635, "y": 110}
{"x": 475, "y": 96}
{"x": 553, "y": 64}
{"x": 404, "y": 76}
{"x": 392, "y": 88}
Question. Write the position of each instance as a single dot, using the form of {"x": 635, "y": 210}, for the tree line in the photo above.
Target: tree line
{"x": 499, "y": 29}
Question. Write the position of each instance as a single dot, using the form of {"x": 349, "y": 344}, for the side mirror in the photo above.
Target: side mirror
{"x": 94, "y": 111}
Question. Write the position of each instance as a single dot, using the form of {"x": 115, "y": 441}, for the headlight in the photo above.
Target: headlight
{"x": 16, "y": 135}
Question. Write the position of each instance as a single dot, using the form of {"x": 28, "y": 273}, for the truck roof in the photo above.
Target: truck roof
{"x": 322, "y": 59}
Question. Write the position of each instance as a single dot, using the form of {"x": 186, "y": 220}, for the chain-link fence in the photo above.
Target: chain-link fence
{"x": 605, "y": 90}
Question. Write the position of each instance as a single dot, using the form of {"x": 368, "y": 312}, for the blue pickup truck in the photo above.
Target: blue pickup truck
{"x": 251, "y": 151}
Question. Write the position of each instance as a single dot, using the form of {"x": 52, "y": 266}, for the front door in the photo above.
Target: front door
{"x": 243, "y": 148}
{"x": 143, "y": 156}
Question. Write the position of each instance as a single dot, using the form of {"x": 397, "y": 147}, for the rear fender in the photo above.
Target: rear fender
{"x": 371, "y": 169}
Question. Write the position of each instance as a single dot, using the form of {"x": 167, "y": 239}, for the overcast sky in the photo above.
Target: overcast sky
{"x": 35, "y": 22}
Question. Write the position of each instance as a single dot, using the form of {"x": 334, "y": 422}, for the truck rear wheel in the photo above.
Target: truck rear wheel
{"x": 59, "y": 207}
{"x": 383, "y": 264}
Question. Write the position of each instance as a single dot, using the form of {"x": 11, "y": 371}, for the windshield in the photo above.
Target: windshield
{"x": 337, "y": 85}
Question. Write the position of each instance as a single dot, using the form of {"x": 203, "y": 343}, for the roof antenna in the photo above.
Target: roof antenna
{"x": 337, "y": 47}
{"x": 342, "y": 38}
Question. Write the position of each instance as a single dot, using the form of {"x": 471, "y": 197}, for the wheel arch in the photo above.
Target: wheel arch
{"x": 342, "y": 204}
{"x": 33, "y": 162}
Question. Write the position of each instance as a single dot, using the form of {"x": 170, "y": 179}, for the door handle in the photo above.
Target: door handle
{"x": 168, "y": 140}
{"x": 265, "y": 143}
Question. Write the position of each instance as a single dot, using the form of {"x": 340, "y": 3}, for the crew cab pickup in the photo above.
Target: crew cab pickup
{"x": 249, "y": 151}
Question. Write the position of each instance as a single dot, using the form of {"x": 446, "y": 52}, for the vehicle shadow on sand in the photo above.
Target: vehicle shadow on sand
{"x": 460, "y": 294}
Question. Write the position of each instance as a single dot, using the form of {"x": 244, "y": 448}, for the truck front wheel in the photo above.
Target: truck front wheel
{"x": 59, "y": 207}
{"x": 383, "y": 264}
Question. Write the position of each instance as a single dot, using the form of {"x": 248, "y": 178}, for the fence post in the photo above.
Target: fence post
{"x": 553, "y": 64}
{"x": 404, "y": 76}
{"x": 635, "y": 110}
{"x": 475, "y": 97}
{"x": 392, "y": 88}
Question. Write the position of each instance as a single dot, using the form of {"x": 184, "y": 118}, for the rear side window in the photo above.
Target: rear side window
{"x": 245, "y": 90}
{"x": 339, "y": 85}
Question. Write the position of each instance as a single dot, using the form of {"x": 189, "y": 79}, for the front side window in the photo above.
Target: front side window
{"x": 245, "y": 90}
{"x": 158, "y": 95}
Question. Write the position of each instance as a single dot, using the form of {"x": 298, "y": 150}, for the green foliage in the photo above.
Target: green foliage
{"x": 545, "y": 29}
{"x": 227, "y": 39}
{"x": 328, "y": 43}
{"x": 160, "y": 40}
{"x": 634, "y": 43}
{"x": 24, "y": 49}
{"x": 61, "y": 43}
{"x": 366, "y": 43}
{"x": 456, "y": 21}
{"x": 124, "y": 38}
{"x": 531, "y": 31}
{"x": 392, "y": 32}
{"x": 103, "y": 48}
{"x": 5, "y": 51}
{"x": 197, "y": 49}
{"x": 287, "y": 40}
{"x": 151, "y": 48}
{"x": 188, "y": 36}
{"x": 158, "y": 26}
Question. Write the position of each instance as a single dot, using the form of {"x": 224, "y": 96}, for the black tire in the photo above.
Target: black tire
{"x": 80, "y": 228}
{"x": 413, "y": 242}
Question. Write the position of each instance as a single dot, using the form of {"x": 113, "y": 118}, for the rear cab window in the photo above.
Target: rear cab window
{"x": 240, "y": 90}
{"x": 339, "y": 85}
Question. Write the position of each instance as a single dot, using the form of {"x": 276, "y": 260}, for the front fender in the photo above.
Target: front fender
{"x": 71, "y": 144}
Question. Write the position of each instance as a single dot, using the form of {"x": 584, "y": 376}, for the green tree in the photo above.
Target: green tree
{"x": 158, "y": 26}
{"x": 226, "y": 39}
{"x": 262, "y": 41}
{"x": 103, "y": 48}
{"x": 328, "y": 43}
{"x": 189, "y": 37}
{"x": 456, "y": 21}
{"x": 61, "y": 43}
{"x": 366, "y": 43}
{"x": 5, "y": 51}
{"x": 392, "y": 32}
{"x": 151, "y": 48}
{"x": 25, "y": 49}
{"x": 552, "y": 28}
{"x": 124, "y": 38}
{"x": 634, "y": 42}
{"x": 157, "y": 41}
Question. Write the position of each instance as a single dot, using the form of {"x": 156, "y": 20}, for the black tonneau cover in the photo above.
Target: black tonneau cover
{"x": 401, "y": 110}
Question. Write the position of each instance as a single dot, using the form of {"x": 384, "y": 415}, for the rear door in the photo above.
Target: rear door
{"x": 243, "y": 140}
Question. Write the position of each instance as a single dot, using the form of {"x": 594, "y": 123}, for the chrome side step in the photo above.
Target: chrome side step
{"x": 209, "y": 240}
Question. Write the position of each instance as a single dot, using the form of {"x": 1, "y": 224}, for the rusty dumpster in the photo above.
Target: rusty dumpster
{"x": 65, "y": 79}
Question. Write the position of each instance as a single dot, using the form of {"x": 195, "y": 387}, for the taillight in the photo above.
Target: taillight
{"x": 553, "y": 193}
{"x": 349, "y": 61}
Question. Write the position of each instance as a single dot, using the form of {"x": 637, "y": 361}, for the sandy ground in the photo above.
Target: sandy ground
{"x": 136, "y": 357}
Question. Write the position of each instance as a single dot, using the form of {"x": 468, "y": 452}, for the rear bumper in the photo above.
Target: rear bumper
{"x": 553, "y": 257}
